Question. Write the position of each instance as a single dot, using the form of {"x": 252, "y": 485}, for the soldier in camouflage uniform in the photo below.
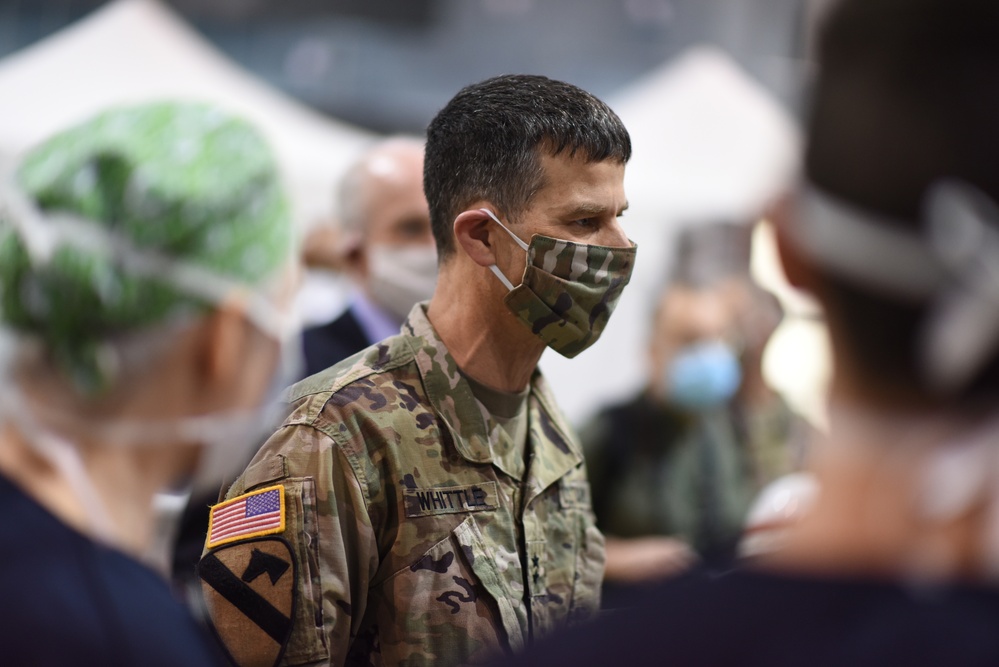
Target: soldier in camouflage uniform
{"x": 431, "y": 500}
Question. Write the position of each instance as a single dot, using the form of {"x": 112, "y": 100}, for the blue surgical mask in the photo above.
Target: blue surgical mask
{"x": 703, "y": 376}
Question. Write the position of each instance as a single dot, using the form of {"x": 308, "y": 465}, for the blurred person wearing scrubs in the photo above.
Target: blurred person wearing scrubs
{"x": 146, "y": 263}
{"x": 381, "y": 239}
{"x": 894, "y": 228}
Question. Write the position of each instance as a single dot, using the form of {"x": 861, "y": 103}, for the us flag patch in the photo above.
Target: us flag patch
{"x": 249, "y": 515}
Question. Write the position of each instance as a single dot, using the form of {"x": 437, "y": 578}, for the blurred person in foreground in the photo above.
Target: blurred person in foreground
{"x": 435, "y": 501}
{"x": 145, "y": 263}
{"x": 673, "y": 469}
{"x": 381, "y": 239}
{"x": 895, "y": 230}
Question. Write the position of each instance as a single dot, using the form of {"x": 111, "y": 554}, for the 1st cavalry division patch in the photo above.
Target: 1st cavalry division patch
{"x": 249, "y": 590}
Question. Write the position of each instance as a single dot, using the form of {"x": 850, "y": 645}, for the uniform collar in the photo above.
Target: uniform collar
{"x": 453, "y": 400}
{"x": 448, "y": 391}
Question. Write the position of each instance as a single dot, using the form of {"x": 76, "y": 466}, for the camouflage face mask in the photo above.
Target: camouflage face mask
{"x": 568, "y": 290}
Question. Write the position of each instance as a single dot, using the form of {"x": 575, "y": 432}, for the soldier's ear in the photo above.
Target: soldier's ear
{"x": 473, "y": 234}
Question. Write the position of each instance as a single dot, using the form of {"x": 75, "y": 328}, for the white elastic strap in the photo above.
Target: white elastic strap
{"x": 863, "y": 246}
{"x": 505, "y": 228}
{"x": 499, "y": 274}
{"x": 964, "y": 330}
{"x": 492, "y": 267}
{"x": 43, "y": 232}
{"x": 39, "y": 239}
{"x": 136, "y": 432}
{"x": 953, "y": 265}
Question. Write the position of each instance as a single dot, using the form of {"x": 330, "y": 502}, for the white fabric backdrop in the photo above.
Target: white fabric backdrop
{"x": 138, "y": 50}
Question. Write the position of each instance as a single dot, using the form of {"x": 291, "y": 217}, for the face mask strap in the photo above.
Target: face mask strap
{"x": 42, "y": 233}
{"x": 492, "y": 267}
{"x": 503, "y": 279}
{"x": 516, "y": 238}
{"x": 851, "y": 241}
{"x": 39, "y": 238}
{"x": 953, "y": 265}
{"x": 189, "y": 279}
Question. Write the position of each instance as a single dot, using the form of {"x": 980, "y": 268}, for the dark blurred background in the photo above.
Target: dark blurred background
{"x": 388, "y": 65}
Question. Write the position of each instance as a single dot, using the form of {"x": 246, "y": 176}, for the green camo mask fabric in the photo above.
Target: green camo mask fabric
{"x": 569, "y": 291}
{"x": 185, "y": 183}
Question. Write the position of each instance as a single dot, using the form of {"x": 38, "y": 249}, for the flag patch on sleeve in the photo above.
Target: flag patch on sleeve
{"x": 252, "y": 514}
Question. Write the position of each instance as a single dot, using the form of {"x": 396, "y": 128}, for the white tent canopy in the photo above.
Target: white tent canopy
{"x": 137, "y": 50}
{"x": 709, "y": 144}
{"x": 709, "y": 141}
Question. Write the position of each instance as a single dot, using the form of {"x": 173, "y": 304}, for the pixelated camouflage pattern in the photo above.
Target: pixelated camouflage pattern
{"x": 569, "y": 291}
{"x": 440, "y": 587}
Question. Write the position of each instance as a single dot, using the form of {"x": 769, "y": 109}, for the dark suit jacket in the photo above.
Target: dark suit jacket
{"x": 327, "y": 344}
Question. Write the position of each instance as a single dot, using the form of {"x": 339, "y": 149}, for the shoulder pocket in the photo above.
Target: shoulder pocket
{"x": 242, "y": 568}
{"x": 307, "y": 643}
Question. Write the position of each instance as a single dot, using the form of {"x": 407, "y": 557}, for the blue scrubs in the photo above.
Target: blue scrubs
{"x": 66, "y": 600}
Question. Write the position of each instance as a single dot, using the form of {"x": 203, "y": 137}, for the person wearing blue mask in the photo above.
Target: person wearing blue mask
{"x": 673, "y": 469}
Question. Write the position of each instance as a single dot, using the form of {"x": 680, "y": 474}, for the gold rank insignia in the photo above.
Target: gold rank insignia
{"x": 249, "y": 591}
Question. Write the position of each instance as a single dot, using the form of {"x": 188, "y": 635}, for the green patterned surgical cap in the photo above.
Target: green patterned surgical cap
{"x": 179, "y": 182}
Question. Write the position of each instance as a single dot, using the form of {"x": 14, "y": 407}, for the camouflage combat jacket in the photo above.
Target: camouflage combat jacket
{"x": 411, "y": 545}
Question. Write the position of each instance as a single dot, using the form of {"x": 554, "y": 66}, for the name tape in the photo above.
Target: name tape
{"x": 451, "y": 499}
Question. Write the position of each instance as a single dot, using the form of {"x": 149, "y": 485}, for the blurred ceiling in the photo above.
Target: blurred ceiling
{"x": 388, "y": 65}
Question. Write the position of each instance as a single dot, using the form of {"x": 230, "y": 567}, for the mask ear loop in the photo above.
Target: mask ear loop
{"x": 960, "y": 474}
{"x": 503, "y": 279}
{"x": 492, "y": 267}
{"x": 140, "y": 432}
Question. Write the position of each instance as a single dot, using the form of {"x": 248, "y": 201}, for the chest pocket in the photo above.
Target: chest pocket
{"x": 461, "y": 601}
{"x": 574, "y": 499}
{"x": 565, "y": 558}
